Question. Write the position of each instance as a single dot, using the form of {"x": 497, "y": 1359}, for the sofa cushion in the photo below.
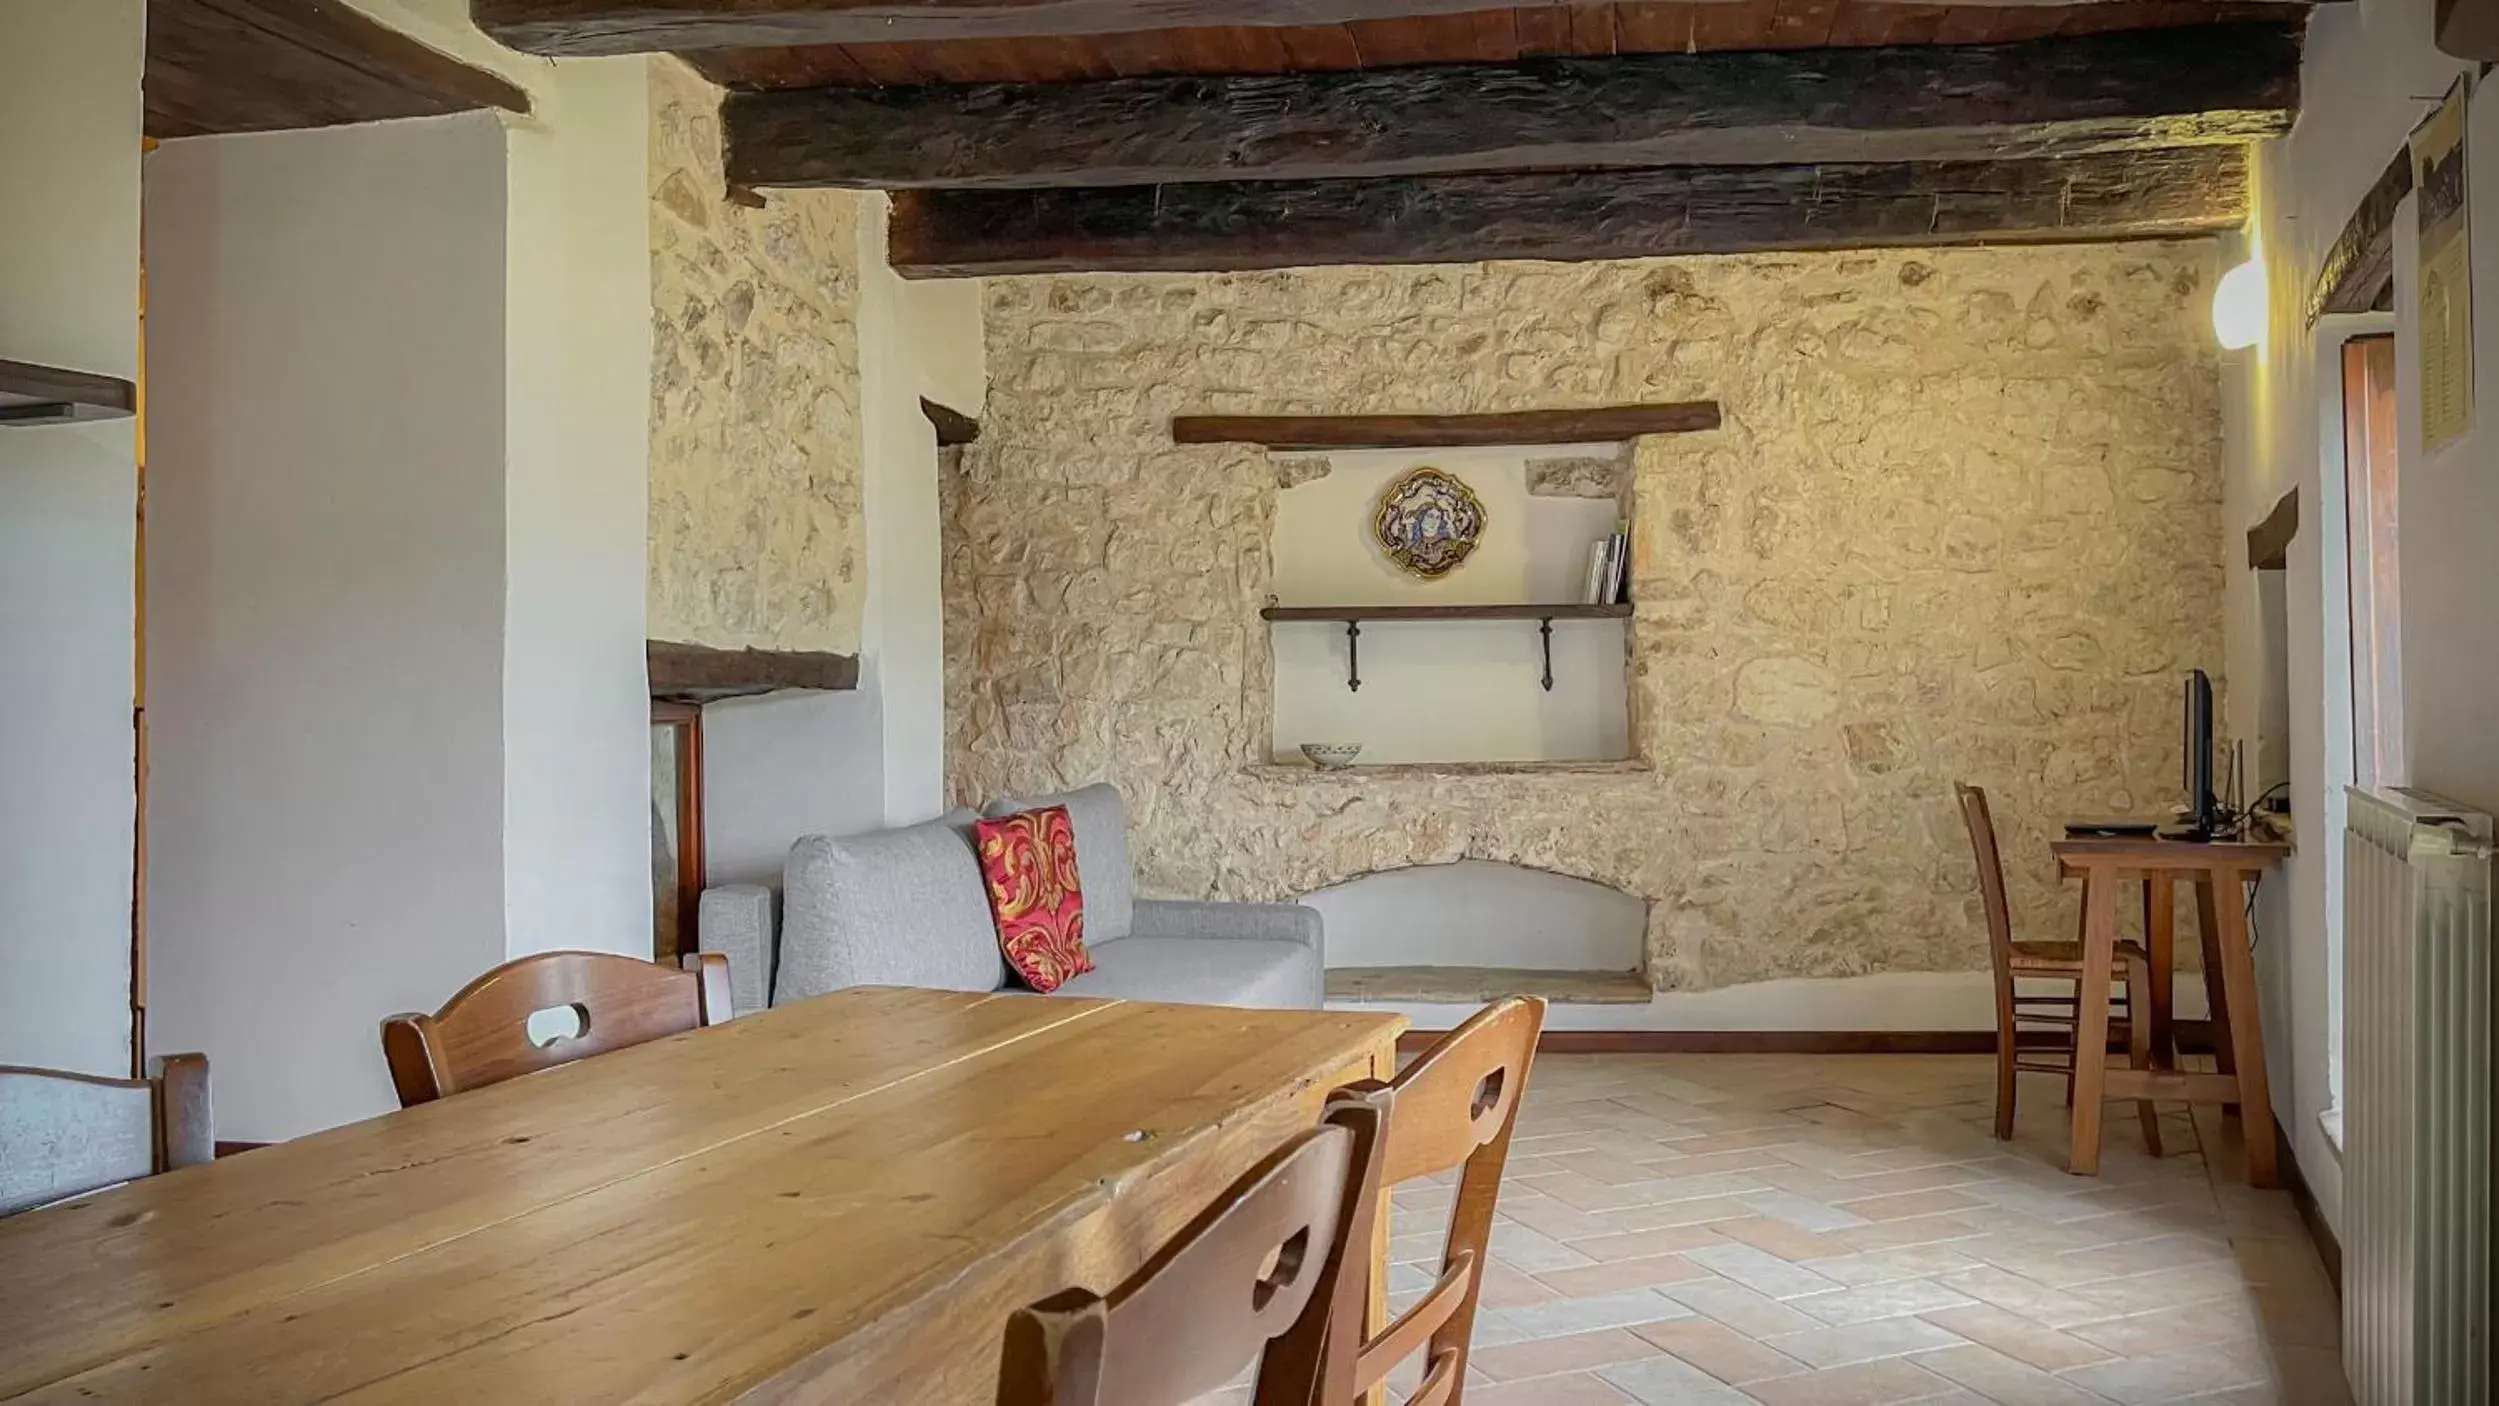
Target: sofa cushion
{"x": 1190, "y": 971}
{"x": 893, "y": 908}
{"x": 1101, "y": 855}
{"x": 1029, "y": 864}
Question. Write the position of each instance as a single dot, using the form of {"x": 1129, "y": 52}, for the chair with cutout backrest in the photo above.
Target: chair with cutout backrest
{"x": 1270, "y": 1272}
{"x": 63, "y": 1134}
{"x": 2014, "y": 962}
{"x": 1455, "y": 1109}
{"x": 482, "y": 1035}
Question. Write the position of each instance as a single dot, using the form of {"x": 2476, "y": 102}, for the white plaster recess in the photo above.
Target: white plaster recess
{"x": 1962, "y": 523}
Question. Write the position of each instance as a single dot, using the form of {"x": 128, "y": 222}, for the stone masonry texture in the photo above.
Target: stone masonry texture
{"x": 1963, "y": 522}
{"x": 756, "y": 460}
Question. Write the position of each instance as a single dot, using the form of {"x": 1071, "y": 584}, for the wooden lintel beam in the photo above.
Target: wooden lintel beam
{"x": 2469, "y": 29}
{"x": 2269, "y": 542}
{"x": 954, "y": 428}
{"x": 224, "y": 66}
{"x": 2150, "y": 88}
{"x": 696, "y": 673}
{"x": 2362, "y": 262}
{"x": 567, "y": 28}
{"x": 1602, "y": 424}
{"x": 1569, "y": 215}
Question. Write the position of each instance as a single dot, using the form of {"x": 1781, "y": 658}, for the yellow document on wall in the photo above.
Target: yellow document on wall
{"x": 2444, "y": 299}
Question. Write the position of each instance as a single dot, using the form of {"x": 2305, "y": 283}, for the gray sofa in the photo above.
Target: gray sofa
{"x": 907, "y": 908}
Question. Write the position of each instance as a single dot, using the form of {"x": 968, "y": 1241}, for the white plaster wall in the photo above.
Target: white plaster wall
{"x": 1474, "y": 914}
{"x": 781, "y": 767}
{"x": 576, "y": 697}
{"x": 2372, "y": 72}
{"x": 576, "y": 727}
{"x": 69, "y": 296}
{"x": 1918, "y": 1001}
{"x": 1467, "y": 691}
{"x": 916, "y": 339}
{"x": 326, "y": 583}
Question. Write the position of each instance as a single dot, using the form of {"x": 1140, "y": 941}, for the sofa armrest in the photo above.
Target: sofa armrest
{"x": 1232, "y": 922}
{"x": 735, "y": 920}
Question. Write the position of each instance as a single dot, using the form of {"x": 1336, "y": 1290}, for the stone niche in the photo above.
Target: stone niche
{"x": 1963, "y": 522}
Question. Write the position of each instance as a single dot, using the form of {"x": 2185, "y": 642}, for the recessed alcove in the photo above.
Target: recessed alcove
{"x": 1501, "y": 662}
{"x": 1478, "y": 929}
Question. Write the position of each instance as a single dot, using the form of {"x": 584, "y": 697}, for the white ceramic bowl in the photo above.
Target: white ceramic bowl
{"x": 1331, "y": 756}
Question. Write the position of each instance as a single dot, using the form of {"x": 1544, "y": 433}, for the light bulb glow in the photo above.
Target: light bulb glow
{"x": 2239, "y": 306}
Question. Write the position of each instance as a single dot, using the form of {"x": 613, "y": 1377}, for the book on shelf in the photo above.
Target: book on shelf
{"x": 1609, "y": 568}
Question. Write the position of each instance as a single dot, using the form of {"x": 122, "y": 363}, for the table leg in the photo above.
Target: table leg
{"x": 2216, "y": 989}
{"x": 2247, "y": 1040}
{"x": 2160, "y": 936}
{"x": 2091, "y": 1023}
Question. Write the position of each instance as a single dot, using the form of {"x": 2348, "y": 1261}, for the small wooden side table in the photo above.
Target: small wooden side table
{"x": 2220, "y": 871}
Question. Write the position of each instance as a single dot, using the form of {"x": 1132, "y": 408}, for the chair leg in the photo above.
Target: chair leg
{"x": 2073, "y": 1053}
{"x": 2139, "y": 1043}
{"x": 2008, "y": 1049}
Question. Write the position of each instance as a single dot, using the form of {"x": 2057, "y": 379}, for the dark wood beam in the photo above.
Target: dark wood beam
{"x": 2361, "y": 265}
{"x": 577, "y": 27}
{"x": 53, "y": 395}
{"x": 2269, "y": 542}
{"x": 1602, "y": 424}
{"x": 2469, "y": 29}
{"x": 2175, "y": 87}
{"x": 219, "y": 66}
{"x": 1569, "y": 215}
{"x": 696, "y": 674}
{"x": 954, "y": 428}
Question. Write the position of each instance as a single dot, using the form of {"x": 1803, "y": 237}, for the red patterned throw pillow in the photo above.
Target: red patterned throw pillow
{"x": 1029, "y": 863}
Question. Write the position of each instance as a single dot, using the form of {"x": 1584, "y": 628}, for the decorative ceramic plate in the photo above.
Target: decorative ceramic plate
{"x": 1428, "y": 522}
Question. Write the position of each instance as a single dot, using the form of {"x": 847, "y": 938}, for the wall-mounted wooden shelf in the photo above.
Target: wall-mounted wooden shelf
{"x": 50, "y": 395}
{"x": 1353, "y": 613}
{"x": 1602, "y": 424}
{"x": 1352, "y": 616}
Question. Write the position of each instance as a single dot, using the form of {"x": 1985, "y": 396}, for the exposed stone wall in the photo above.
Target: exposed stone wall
{"x": 755, "y": 446}
{"x": 1963, "y": 521}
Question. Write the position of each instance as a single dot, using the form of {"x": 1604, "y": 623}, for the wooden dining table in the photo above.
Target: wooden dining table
{"x": 837, "y": 1201}
{"x": 2220, "y": 872}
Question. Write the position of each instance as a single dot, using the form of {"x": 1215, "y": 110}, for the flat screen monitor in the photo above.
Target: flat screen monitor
{"x": 2196, "y": 773}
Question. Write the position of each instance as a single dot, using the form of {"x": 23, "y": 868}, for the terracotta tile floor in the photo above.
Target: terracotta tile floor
{"x": 1843, "y": 1230}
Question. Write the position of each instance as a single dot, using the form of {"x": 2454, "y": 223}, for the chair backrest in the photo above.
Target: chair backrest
{"x": 587, "y": 1003}
{"x": 1260, "y": 1276}
{"x": 1456, "y": 1106}
{"x": 62, "y": 1135}
{"x": 1982, "y": 825}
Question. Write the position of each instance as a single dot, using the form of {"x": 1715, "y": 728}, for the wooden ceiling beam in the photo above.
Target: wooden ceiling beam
{"x": 568, "y": 28}
{"x": 223, "y": 66}
{"x": 1569, "y": 215}
{"x": 2177, "y": 87}
{"x": 2360, "y": 266}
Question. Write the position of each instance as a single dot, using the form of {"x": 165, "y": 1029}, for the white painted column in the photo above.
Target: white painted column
{"x": 915, "y": 339}
{"x": 70, "y": 127}
{"x": 576, "y": 737}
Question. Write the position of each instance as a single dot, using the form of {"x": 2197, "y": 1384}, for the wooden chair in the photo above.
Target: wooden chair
{"x": 481, "y": 1036}
{"x": 1456, "y": 1107}
{"x": 63, "y": 1135}
{"x": 1261, "y": 1275}
{"x": 2016, "y": 962}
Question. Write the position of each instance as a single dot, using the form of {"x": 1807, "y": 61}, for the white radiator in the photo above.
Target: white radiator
{"x": 2417, "y": 1101}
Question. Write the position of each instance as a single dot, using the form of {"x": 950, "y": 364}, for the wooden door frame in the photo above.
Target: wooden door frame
{"x": 686, "y": 721}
